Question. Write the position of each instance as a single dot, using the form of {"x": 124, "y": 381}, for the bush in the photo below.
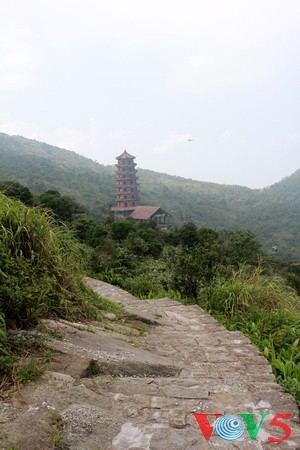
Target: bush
{"x": 293, "y": 387}
{"x": 16, "y": 190}
{"x": 65, "y": 209}
{"x": 39, "y": 268}
{"x": 246, "y": 291}
{"x": 28, "y": 371}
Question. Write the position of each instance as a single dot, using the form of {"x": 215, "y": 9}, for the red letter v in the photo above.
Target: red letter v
{"x": 204, "y": 425}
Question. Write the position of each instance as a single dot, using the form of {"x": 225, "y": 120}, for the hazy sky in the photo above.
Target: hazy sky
{"x": 98, "y": 77}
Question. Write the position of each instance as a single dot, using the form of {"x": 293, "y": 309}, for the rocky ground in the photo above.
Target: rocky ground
{"x": 137, "y": 384}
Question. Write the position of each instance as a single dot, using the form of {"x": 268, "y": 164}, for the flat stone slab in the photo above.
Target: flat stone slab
{"x": 178, "y": 391}
{"x": 115, "y": 356}
{"x": 87, "y": 424}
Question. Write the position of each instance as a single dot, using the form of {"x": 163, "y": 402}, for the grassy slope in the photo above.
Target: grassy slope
{"x": 272, "y": 213}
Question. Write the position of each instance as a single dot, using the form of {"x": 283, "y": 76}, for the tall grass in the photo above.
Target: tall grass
{"x": 248, "y": 289}
{"x": 39, "y": 268}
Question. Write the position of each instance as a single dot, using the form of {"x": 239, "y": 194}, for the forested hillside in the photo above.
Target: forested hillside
{"x": 41, "y": 167}
{"x": 273, "y": 214}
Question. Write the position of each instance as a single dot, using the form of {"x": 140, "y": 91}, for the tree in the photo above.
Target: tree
{"x": 152, "y": 236}
{"x": 136, "y": 245}
{"x": 64, "y": 208}
{"x": 195, "y": 267}
{"x": 104, "y": 256}
{"x": 188, "y": 234}
{"x": 121, "y": 229}
{"x": 89, "y": 230}
{"x": 17, "y": 191}
{"x": 242, "y": 247}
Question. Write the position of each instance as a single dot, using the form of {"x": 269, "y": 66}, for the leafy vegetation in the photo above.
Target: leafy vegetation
{"x": 64, "y": 208}
{"x": 57, "y": 424}
{"x": 272, "y": 214}
{"x": 29, "y": 371}
{"x": 40, "y": 276}
{"x": 39, "y": 270}
{"x": 93, "y": 369}
{"x": 16, "y": 190}
{"x": 248, "y": 290}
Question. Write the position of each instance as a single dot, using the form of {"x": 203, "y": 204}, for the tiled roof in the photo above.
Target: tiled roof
{"x": 125, "y": 155}
{"x": 144, "y": 212}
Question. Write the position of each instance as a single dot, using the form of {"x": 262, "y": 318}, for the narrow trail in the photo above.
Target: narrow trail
{"x": 174, "y": 362}
{"x": 222, "y": 373}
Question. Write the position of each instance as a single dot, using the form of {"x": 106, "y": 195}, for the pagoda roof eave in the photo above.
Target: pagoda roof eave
{"x": 125, "y": 155}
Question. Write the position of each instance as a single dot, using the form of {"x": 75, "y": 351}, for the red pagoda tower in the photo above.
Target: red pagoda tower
{"x": 127, "y": 191}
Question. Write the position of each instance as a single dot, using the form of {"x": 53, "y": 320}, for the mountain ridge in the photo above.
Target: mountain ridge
{"x": 272, "y": 212}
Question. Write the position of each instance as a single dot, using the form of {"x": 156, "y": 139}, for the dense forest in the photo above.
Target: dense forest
{"x": 273, "y": 213}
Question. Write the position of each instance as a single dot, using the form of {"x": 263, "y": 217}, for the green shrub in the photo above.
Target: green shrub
{"x": 109, "y": 276}
{"x": 103, "y": 256}
{"x": 293, "y": 387}
{"x": 139, "y": 286}
{"x": 6, "y": 364}
{"x": 93, "y": 369}
{"x": 173, "y": 295}
{"x": 28, "y": 371}
{"x": 246, "y": 290}
{"x": 39, "y": 268}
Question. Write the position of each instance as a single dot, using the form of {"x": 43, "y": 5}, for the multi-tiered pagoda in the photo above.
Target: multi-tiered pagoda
{"x": 127, "y": 196}
{"x": 127, "y": 192}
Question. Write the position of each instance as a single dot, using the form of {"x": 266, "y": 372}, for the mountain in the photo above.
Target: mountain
{"x": 273, "y": 213}
{"x": 275, "y": 217}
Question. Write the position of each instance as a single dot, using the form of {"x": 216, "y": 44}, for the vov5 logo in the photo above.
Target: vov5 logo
{"x": 231, "y": 427}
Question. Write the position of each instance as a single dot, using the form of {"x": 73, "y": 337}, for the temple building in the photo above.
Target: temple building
{"x": 128, "y": 199}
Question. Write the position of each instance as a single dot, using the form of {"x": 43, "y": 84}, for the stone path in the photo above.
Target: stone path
{"x": 179, "y": 362}
{"x": 222, "y": 373}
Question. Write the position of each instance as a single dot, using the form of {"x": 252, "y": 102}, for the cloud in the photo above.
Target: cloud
{"x": 230, "y": 137}
{"x": 293, "y": 138}
{"x": 68, "y": 138}
{"x": 203, "y": 71}
{"x": 88, "y": 141}
{"x": 235, "y": 44}
{"x": 9, "y": 126}
{"x": 120, "y": 136}
{"x": 18, "y": 56}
